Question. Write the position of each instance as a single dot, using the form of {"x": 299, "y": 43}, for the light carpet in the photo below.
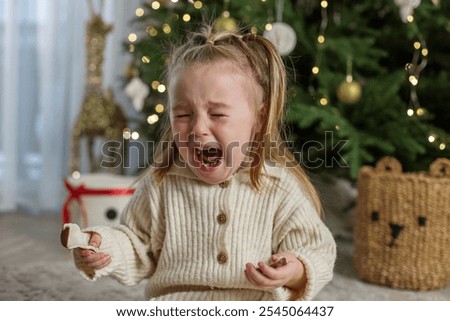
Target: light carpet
{"x": 60, "y": 281}
{"x": 34, "y": 266}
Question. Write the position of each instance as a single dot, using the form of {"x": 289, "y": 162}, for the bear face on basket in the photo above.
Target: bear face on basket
{"x": 402, "y": 226}
{"x": 413, "y": 226}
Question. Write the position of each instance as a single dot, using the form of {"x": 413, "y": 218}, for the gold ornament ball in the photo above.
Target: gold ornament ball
{"x": 225, "y": 24}
{"x": 349, "y": 92}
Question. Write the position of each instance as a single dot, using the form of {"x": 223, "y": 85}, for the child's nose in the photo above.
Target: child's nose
{"x": 200, "y": 126}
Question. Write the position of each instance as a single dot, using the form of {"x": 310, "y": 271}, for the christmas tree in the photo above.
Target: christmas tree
{"x": 367, "y": 78}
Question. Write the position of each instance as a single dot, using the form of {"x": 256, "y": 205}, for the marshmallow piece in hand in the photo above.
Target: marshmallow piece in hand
{"x": 72, "y": 237}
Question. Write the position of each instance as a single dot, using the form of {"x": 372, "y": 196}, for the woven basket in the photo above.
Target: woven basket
{"x": 402, "y": 226}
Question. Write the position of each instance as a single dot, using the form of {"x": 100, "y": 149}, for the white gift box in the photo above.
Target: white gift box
{"x": 97, "y": 198}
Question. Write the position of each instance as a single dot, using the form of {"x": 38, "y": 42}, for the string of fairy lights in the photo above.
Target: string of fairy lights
{"x": 414, "y": 69}
{"x": 152, "y": 31}
{"x": 320, "y": 45}
{"x": 349, "y": 91}
{"x": 224, "y": 21}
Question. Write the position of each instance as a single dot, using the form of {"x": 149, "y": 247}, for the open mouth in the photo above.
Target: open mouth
{"x": 208, "y": 156}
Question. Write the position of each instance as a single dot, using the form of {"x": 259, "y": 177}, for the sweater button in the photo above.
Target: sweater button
{"x": 222, "y": 258}
{"x": 222, "y": 218}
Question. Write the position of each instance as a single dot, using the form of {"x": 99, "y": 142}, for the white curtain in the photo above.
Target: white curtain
{"x": 41, "y": 88}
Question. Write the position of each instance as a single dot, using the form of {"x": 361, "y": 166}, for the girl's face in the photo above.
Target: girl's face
{"x": 213, "y": 118}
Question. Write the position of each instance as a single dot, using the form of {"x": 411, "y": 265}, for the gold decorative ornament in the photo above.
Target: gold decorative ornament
{"x": 349, "y": 92}
{"x": 100, "y": 116}
{"x": 225, "y": 23}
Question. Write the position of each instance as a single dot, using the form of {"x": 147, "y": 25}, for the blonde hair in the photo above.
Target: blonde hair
{"x": 249, "y": 52}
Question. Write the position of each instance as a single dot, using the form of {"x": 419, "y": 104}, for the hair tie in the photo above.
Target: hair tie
{"x": 210, "y": 42}
{"x": 249, "y": 37}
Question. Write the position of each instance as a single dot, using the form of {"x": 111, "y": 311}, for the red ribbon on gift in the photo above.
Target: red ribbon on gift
{"x": 75, "y": 194}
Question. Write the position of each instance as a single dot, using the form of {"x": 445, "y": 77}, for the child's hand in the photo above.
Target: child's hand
{"x": 291, "y": 275}
{"x": 90, "y": 258}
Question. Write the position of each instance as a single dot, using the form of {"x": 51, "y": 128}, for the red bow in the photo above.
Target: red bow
{"x": 75, "y": 193}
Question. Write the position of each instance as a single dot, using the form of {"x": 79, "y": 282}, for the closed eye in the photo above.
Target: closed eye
{"x": 182, "y": 115}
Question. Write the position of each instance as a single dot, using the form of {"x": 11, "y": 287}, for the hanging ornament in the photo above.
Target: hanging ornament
{"x": 283, "y": 37}
{"x": 225, "y": 22}
{"x": 349, "y": 91}
{"x": 406, "y": 8}
{"x": 281, "y": 34}
{"x": 137, "y": 91}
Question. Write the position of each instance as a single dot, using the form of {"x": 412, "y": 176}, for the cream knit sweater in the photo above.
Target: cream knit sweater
{"x": 192, "y": 240}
